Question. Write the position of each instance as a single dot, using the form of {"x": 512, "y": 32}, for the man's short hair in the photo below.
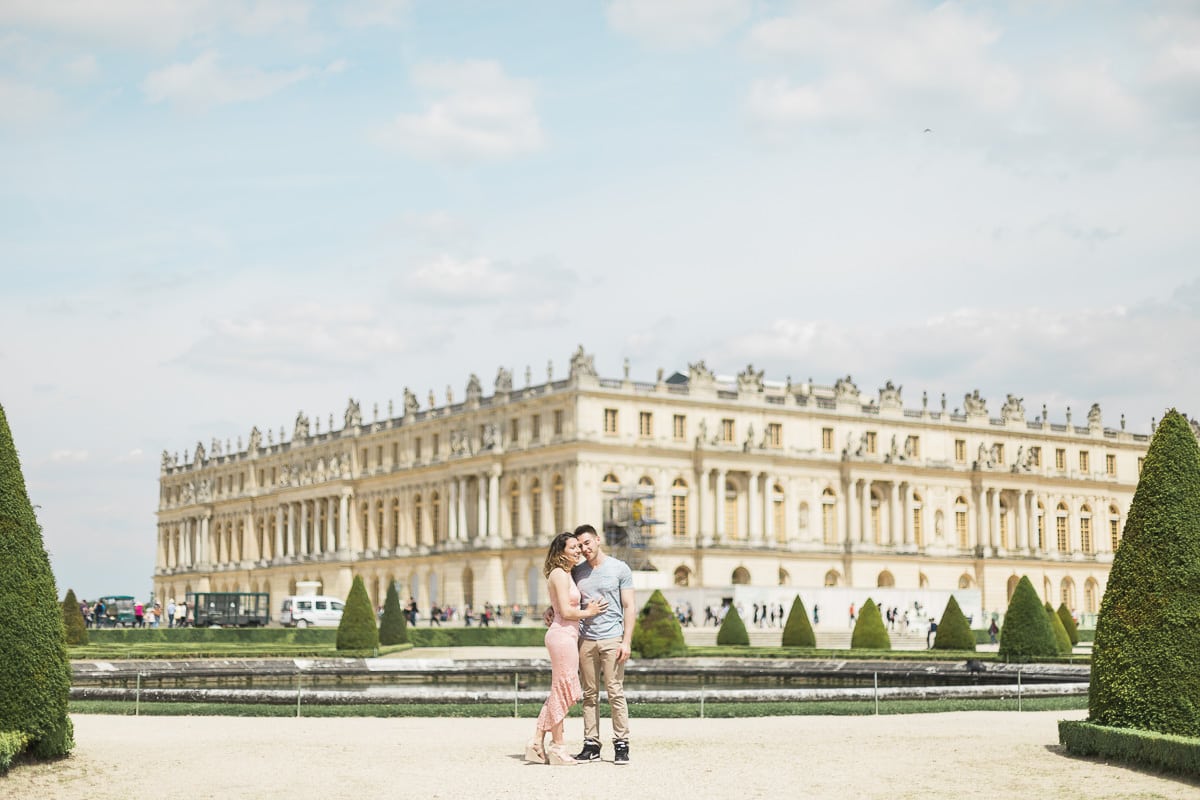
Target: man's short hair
{"x": 585, "y": 528}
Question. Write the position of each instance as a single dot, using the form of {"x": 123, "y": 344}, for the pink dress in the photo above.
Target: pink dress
{"x": 562, "y": 641}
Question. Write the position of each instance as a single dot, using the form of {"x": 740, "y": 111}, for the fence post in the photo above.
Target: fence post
{"x": 137, "y": 696}
{"x": 297, "y": 696}
{"x": 1018, "y": 688}
{"x": 876, "y": 694}
{"x": 516, "y": 693}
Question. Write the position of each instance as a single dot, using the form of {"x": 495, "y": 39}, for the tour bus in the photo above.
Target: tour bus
{"x": 229, "y": 609}
{"x": 118, "y": 610}
{"x": 314, "y": 610}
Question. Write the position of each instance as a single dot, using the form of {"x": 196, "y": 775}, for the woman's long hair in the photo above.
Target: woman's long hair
{"x": 557, "y": 556}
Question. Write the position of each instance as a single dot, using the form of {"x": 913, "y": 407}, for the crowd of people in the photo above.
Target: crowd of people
{"x": 491, "y": 614}
{"x": 98, "y": 614}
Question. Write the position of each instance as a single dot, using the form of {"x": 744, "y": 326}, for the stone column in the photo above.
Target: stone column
{"x": 702, "y": 533}
{"x": 493, "y": 494}
{"x": 290, "y": 537}
{"x": 994, "y": 519}
{"x": 205, "y": 544}
{"x": 866, "y": 530}
{"x": 894, "y": 514}
{"x": 331, "y": 512}
{"x": 754, "y": 495}
{"x": 464, "y": 529}
{"x": 343, "y": 529}
{"x": 303, "y": 527}
{"x": 277, "y": 547}
{"x": 908, "y": 533}
{"x": 769, "y": 532}
{"x": 1024, "y": 538}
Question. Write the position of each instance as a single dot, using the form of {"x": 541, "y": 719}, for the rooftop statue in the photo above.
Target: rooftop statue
{"x": 889, "y": 395}
{"x": 844, "y": 389}
{"x": 474, "y": 389}
{"x": 200, "y": 455}
{"x": 1013, "y": 409}
{"x": 1094, "y": 416}
{"x": 748, "y": 380}
{"x": 353, "y": 417}
{"x": 301, "y": 431}
{"x": 504, "y": 382}
{"x": 411, "y": 406}
{"x": 974, "y": 404}
{"x": 700, "y": 375}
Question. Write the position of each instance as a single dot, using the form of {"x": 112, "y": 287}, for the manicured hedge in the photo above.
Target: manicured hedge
{"x": 35, "y": 675}
{"x": 357, "y": 630}
{"x": 491, "y": 636}
{"x": 1147, "y": 648}
{"x": 393, "y": 626}
{"x": 197, "y": 635}
{"x": 798, "y": 631}
{"x": 73, "y": 619}
{"x": 657, "y": 633}
{"x": 1027, "y": 632}
{"x": 1061, "y": 638}
{"x": 953, "y": 632}
{"x": 1068, "y": 622}
{"x": 12, "y": 744}
{"x": 1161, "y": 751}
{"x": 733, "y": 630}
{"x": 869, "y": 633}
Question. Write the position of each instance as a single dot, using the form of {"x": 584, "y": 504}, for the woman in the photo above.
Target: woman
{"x": 562, "y": 642}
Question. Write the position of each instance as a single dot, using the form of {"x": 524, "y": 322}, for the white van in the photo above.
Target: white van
{"x": 307, "y": 610}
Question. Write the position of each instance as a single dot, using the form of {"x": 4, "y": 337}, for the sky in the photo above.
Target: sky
{"x": 215, "y": 214}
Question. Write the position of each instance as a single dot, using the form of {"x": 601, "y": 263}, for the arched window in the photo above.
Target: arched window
{"x": 1004, "y": 542}
{"x": 829, "y": 532}
{"x": 1047, "y": 589}
{"x": 785, "y": 579}
{"x": 741, "y": 576}
{"x": 1060, "y": 529}
{"x": 833, "y": 578}
{"x": 961, "y": 531}
{"x": 1085, "y": 529}
{"x": 778, "y": 522}
{"x": 609, "y": 487}
{"x": 643, "y": 507}
{"x": 1091, "y": 596}
{"x": 1039, "y": 526}
{"x": 876, "y": 523}
{"x": 679, "y": 515}
{"x": 732, "y": 530}
{"x": 435, "y": 516}
{"x": 1114, "y": 526}
{"x": 560, "y": 515}
{"x": 468, "y": 586}
{"x": 418, "y": 530}
{"x": 965, "y": 581}
{"x": 802, "y": 516}
{"x": 395, "y": 522}
{"x": 535, "y": 507}
{"x": 918, "y": 532}
{"x": 683, "y": 576}
{"x": 514, "y": 508}
{"x": 1013, "y": 580}
{"x": 378, "y": 525}
{"x": 1068, "y": 593}
{"x": 885, "y": 580}
{"x": 365, "y": 510}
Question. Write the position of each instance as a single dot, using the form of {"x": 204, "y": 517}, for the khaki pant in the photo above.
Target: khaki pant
{"x": 594, "y": 657}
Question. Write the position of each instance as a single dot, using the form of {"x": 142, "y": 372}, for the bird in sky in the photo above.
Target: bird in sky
{"x": 929, "y": 130}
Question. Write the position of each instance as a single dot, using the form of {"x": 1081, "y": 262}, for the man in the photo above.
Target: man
{"x": 604, "y": 643}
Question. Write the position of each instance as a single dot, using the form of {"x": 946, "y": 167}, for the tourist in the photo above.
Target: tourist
{"x": 852, "y": 615}
{"x": 605, "y": 643}
{"x": 993, "y": 629}
{"x": 171, "y": 613}
{"x": 139, "y": 615}
{"x": 931, "y": 636}
{"x": 562, "y": 642}
{"x": 181, "y": 614}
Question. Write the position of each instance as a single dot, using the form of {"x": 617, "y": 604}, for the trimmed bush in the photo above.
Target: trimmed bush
{"x": 73, "y": 622}
{"x": 953, "y": 633}
{"x": 1158, "y": 751}
{"x": 1068, "y": 622}
{"x": 35, "y": 675}
{"x": 1061, "y": 639}
{"x": 798, "y": 631}
{"x": 869, "y": 633}
{"x": 657, "y": 633}
{"x": 393, "y": 627}
{"x": 1026, "y": 633}
{"x": 12, "y": 744}
{"x": 357, "y": 630}
{"x": 733, "y": 630}
{"x": 1147, "y": 647}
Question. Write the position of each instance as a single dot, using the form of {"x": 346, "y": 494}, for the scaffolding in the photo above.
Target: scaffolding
{"x": 629, "y": 525}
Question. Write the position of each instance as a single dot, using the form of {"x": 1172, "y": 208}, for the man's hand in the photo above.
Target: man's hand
{"x": 623, "y": 653}
{"x": 548, "y": 616}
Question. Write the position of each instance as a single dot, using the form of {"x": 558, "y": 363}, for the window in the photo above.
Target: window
{"x": 535, "y": 428}
{"x": 774, "y": 434}
{"x": 960, "y": 451}
{"x": 726, "y": 430}
{"x": 916, "y": 520}
{"x": 1085, "y": 529}
{"x": 514, "y": 430}
{"x": 1110, "y": 465}
{"x": 731, "y": 511}
{"x": 366, "y": 458}
{"x": 435, "y": 514}
{"x": 395, "y": 453}
{"x": 558, "y": 422}
{"x": 535, "y": 507}
{"x": 829, "y": 516}
{"x": 1060, "y": 529}
{"x": 869, "y": 442}
{"x": 1114, "y": 527}
{"x": 417, "y": 520}
{"x": 1035, "y": 456}
{"x": 960, "y": 523}
{"x": 679, "y": 508}
{"x": 436, "y": 443}
{"x": 827, "y": 439}
{"x": 1084, "y": 462}
{"x": 778, "y": 523}
{"x": 912, "y": 446}
{"x": 417, "y": 448}
{"x": 1060, "y": 459}
{"x": 999, "y": 453}
{"x": 1040, "y": 526}
{"x": 645, "y": 424}
{"x": 514, "y": 508}
{"x": 679, "y": 427}
{"x": 1141, "y": 461}
{"x": 610, "y": 421}
{"x": 1068, "y": 593}
{"x": 557, "y": 501}
{"x": 379, "y": 456}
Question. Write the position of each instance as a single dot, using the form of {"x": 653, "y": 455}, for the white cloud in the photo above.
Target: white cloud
{"x": 462, "y": 280}
{"x": 69, "y": 456}
{"x": 1092, "y": 95}
{"x": 22, "y": 104}
{"x": 204, "y": 83}
{"x": 677, "y": 23}
{"x": 481, "y": 114}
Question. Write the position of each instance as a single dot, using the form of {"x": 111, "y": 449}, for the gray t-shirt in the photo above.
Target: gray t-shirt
{"x": 605, "y": 582}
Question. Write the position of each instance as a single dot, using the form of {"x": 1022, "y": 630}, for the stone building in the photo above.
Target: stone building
{"x": 701, "y": 481}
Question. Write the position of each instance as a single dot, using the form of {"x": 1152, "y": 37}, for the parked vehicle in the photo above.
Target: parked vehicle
{"x": 229, "y": 609}
{"x": 314, "y": 610}
{"x": 118, "y": 610}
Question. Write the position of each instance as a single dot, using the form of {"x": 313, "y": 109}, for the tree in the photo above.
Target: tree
{"x": 1068, "y": 621}
{"x": 35, "y": 675}
{"x": 954, "y": 632}
{"x": 1061, "y": 639}
{"x": 1147, "y": 647}
{"x": 798, "y": 631}
{"x": 393, "y": 628}
{"x": 73, "y": 620}
{"x": 1026, "y": 633}
{"x": 657, "y": 633}
{"x": 357, "y": 629}
{"x": 733, "y": 630}
{"x": 869, "y": 633}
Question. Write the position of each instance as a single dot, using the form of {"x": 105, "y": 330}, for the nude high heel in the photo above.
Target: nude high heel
{"x": 559, "y": 757}
{"x": 535, "y": 752}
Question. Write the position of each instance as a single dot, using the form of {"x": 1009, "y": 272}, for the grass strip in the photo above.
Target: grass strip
{"x": 530, "y": 710}
{"x": 177, "y": 651}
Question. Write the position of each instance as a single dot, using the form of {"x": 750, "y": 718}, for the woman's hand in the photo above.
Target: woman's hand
{"x": 596, "y": 607}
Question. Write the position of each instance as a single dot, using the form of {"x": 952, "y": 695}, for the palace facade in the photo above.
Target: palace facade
{"x": 699, "y": 481}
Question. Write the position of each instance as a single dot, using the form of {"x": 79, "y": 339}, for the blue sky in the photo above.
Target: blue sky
{"x": 216, "y": 214}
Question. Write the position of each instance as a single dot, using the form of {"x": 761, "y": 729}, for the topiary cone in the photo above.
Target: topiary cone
{"x": 1061, "y": 639}
{"x": 393, "y": 627}
{"x": 657, "y": 633}
{"x": 869, "y": 633}
{"x": 733, "y": 630}
{"x": 357, "y": 629}
{"x": 1068, "y": 622}
{"x": 798, "y": 631}
{"x": 1147, "y": 648}
{"x": 73, "y": 622}
{"x": 35, "y": 675}
{"x": 954, "y": 632}
{"x": 1027, "y": 632}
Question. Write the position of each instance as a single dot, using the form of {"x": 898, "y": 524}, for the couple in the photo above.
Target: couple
{"x": 585, "y": 639}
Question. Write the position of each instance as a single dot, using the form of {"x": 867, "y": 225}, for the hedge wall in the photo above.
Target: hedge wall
{"x": 1027, "y": 632}
{"x": 1160, "y": 751}
{"x": 495, "y": 635}
{"x": 656, "y": 633}
{"x": 12, "y": 744}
